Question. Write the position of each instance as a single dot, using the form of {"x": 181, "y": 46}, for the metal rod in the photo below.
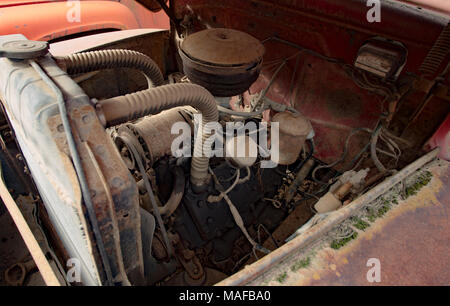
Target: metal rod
{"x": 39, "y": 258}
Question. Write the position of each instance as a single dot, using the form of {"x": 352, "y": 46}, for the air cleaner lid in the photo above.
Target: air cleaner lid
{"x": 221, "y": 46}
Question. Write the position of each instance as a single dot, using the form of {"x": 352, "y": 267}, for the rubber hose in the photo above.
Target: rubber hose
{"x": 129, "y": 107}
{"x": 115, "y": 58}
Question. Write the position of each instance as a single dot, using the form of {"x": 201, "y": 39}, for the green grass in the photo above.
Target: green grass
{"x": 360, "y": 224}
{"x": 339, "y": 243}
{"x": 383, "y": 210}
{"x": 282, "y": 277}
{"x": 372, "y": 216}
{"x": 421, "y": 181}
{"x": 301, "y": 264}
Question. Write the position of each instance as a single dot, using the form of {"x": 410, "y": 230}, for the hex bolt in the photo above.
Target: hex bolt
{"x": 86, "y": 118}
{"x": 117, "y": 182}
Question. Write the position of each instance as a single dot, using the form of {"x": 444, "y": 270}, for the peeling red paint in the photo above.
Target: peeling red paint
{"x": 412, "y": 243}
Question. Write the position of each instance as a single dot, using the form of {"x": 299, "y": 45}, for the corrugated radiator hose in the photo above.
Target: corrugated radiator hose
{"x": 115, "y": 58}
{"x": 129, "y": 107}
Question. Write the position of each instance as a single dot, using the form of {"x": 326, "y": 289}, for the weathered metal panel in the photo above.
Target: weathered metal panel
{"x": 33, "y": 113}
{"x": 59, "y": 189}
{"x": 411, "y": 242}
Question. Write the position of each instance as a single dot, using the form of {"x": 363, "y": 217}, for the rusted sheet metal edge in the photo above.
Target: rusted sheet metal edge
{"x": 415, "y": 228}
{"x": 254, "y": 270}
{"x": 36, "y": 252}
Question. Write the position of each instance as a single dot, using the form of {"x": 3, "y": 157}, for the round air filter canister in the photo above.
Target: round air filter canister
{"x": 224, "y": 61}
{"x": 293, "y": 132}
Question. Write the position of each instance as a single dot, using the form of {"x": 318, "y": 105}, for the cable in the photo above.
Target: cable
{"x": 240, "y": 261}
{"x": 218, "y": 198}
{"x": 237, "y": 217}
{"x": 385, "y": 90}
{"x": 264, "y": 91}
{"x": 237, "y": 181}
{"x": 273, "y": 63}
{"x": 225, "y": 110}
{"x": 358, "y": 158}
{"x": 230, "y": 178}
{"x": 275, "y": 203}
{"x": 385, "y": 136}
{"x": 310, "y": 154}
{"x": 340, "y": 159}
{"x": 392, "y": 145}
{"x": 291, "y": 86}
{"x": 373, "y": 153}
{"x": 309, "y": 51}
{"x": 268, "y": 233}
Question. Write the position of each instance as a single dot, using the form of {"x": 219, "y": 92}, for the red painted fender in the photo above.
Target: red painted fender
{"x": 441, "y": 139}
{"x": 442, "y": 6}
{"x": 48, "y": 21}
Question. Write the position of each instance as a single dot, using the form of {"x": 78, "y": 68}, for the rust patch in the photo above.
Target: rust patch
{"x": 344, "y": 103}
{"x": 412, "y": 242}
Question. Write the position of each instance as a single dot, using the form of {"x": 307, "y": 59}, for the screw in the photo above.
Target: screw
{"x": 86, "y": 118}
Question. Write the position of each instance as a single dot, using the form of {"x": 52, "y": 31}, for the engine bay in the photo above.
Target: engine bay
{"x": 177, "y": 158}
